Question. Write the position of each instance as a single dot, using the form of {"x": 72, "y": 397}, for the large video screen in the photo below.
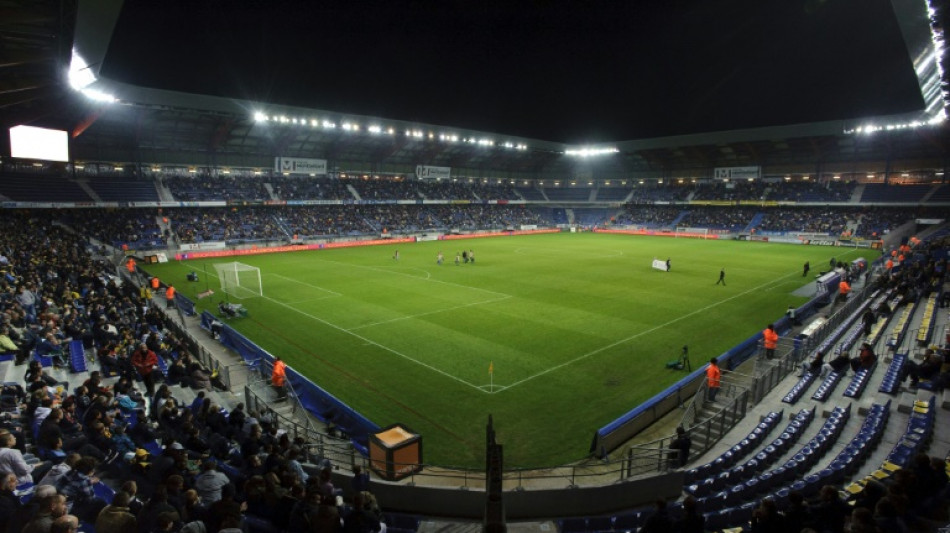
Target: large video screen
{"x": 29, "y": 142}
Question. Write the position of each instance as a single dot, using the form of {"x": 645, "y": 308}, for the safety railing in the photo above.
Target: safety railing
{"x": 656, "y": 456}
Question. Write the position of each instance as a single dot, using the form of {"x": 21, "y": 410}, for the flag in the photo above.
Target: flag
{"x": 491, "y": 367}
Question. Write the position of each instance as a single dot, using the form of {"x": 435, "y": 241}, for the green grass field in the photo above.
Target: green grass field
{"x": 577, "y": 327}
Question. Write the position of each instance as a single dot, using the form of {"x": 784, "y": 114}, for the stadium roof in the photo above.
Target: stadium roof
{"x": 671, "y": 85}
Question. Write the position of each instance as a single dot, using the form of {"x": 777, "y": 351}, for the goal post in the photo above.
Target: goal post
{"x": 239, "y": 280}
{"x": 691, "y": 233}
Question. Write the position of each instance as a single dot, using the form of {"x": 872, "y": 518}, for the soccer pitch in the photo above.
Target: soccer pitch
{"x": 576, "y": 327}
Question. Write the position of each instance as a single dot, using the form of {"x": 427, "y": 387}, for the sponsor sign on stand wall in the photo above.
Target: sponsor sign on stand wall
{"x": 432, "y": 173}
{"x": 736, "y": 173}
{"x": 300, "y": 165}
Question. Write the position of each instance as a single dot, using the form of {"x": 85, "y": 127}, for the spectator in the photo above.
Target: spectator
{"x": 146, "y": 362}
{"x": 10, "y": 505}
{"x": 116, "y": 517}
{"x": 77, "y": 486}
{"x": 11, "y": 459}
{"x": 209, "y": 483}
{"x": 49, "y": 507}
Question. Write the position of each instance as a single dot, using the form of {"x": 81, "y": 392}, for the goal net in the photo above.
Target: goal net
{"x": 691, "y": 233}
{"x": 239, "y": 280}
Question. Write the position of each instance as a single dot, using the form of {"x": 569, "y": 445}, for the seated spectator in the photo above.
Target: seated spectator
{"x": 36, "y": 373}
{"x": 815, "y": 366}
{"x": 10, "y": 505}
{"x": 865, "y": 359}
{"x": 11, "y": 459}
{"x": 926, "y": 369}
{"x": 116, "y": 517}
{"x": 177, "y": 373}
{"x": 49, "y": 507}
{"x": 51, "y": 346}
{"x": 95, "y": 387}
{"x": 209, "y": 483}
{"x": 304, "y": 512}
{"x": 77, "y": 486}
{"x": 227, "y": 508}
{"x": 361, "y": 518}
{"x": 109, "y": 359}
{"x": 156, "y": 507}
{"x": 838, "y": 364}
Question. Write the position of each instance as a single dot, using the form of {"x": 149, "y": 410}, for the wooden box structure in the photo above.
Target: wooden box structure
{"x": 395, "y": 452}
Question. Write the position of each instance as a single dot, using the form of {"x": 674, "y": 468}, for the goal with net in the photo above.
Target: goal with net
{"x": 691, "y": 233}
{"x": 239, "y": 280}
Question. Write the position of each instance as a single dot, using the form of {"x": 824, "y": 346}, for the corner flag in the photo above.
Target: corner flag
{"x": 491, "y": 367}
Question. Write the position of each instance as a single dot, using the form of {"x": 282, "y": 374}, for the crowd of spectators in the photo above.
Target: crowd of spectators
{"x": 77, "y": 450}
{"x": 811, "y": 191}
{"x": 301, "y": 188}
{"x": 136, "y": 227}
{"x": 735, "y": 190}
{"x": 205, "y": 187}
{"x": 232, "y": 224}
{"x": 650, "y": 193}
{"x": 142, "y": 228}
{"x": 731, "y": 218}
{"x": 653, "y": 217}
{"x": 831, "y": 221}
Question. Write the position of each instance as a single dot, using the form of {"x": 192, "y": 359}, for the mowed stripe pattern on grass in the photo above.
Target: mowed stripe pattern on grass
{"x": 528, "y": 305}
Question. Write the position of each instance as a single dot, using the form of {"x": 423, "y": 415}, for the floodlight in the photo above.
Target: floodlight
{"x": 259, "y": 116}
{"x": 374, "y": 129}
{"x": 80, "y": 74}
{"x": 587, "y": 152}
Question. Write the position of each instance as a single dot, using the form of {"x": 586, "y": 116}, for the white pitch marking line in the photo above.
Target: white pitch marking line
{"x": 370, "y": 342}
{"x": 313, "y": 299}
{"x": 377, "y": 269}
{"x": 437, "y": 311}
{"x": 642, "y": 333}
{"x": 378, "y": 345}
{"x": 334, "y": 293}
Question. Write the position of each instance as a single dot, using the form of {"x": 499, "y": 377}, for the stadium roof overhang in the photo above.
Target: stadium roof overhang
{"x": 232, "y": 125}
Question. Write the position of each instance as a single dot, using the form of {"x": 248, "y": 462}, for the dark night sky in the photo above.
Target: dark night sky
{"x": 581, "y": 71}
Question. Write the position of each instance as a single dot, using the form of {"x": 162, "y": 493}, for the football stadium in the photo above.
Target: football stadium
{"x": 389, "y": 266}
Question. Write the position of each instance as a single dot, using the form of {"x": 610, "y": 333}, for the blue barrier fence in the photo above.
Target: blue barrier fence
{"x": 314, "y": 399}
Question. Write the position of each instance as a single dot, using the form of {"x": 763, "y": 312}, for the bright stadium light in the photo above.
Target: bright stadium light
{"x": 259, "y": 116}
{"x": 81, "y": 76}
{"x": 374, "y": 129}
{"x": 928, "y": 66}
{"x": 588, "y": 151}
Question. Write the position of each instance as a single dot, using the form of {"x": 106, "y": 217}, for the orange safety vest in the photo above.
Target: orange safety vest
{"x": 770, "y": 338}
{"x": 844, "y": 288}
{"x": 280, "y": 372}
{"x": 170, "y": 293}
{"x": 155, "y": 284}
{"x": 130, "y": 265}
{"x": 713, "y": 375}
